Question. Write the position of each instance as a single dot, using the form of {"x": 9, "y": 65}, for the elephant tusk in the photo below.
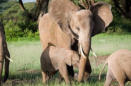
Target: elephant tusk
{"x": 93, "y": 53}
{"x": 94, "y": 56}
{"x": 82, "y": 53}
{"x": 9, "y": 59}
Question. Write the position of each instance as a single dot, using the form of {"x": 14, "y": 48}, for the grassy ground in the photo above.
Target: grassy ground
{"x": 25, "y": 69}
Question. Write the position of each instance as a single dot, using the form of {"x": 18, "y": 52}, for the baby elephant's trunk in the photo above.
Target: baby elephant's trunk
{"x": 103, "y": 69}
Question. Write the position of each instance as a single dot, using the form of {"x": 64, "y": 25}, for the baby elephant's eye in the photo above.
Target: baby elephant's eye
{"x": 78, "y": 28}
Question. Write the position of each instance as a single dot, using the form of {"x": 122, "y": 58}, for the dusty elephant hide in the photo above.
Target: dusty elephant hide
{"x": 55, "y": 59}
{"x": 119, "y": 67}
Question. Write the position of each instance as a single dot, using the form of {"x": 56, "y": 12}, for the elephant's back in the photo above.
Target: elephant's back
{"x": 47, "y": 30}
{"x": 50, "y": 32}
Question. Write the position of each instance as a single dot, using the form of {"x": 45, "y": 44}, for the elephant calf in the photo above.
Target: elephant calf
{"x": 55, "y": 59}
{"x": 119, "y": 67}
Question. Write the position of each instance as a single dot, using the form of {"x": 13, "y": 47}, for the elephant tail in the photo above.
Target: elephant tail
{"x": 106, "y": 62}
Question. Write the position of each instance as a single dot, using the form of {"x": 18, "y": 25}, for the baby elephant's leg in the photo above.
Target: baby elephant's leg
{"x": 64, "y": 73}
{"x": 44, "y": 77}
{"x": 121, "y": 79}
{"x": 108, "y": 78}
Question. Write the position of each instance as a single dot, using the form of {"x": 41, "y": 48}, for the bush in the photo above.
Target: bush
{"x": 15, "y": 31}
{"x": 16, "y": 23}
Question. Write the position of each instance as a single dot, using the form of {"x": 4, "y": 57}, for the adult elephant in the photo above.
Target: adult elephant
{"x": 68, "y": 26}
{"x": 4, "y": 54}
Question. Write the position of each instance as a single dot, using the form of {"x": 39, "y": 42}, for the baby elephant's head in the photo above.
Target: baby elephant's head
{"x": 72, "y": 59}
{"x": 75, "y": 59}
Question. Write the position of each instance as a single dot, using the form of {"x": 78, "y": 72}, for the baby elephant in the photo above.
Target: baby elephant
{"x": 55, "y": 59}
{"x": 119, "y": 67}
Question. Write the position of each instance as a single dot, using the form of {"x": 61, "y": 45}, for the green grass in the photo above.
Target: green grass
{"x": 105, "y": 44}
{"x": 25, "y": 69}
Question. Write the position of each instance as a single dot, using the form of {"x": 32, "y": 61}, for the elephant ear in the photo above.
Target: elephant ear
{"x": 68, "y": 58}
{"x": 102, "y": 16}
{"x": 61, "y": 10}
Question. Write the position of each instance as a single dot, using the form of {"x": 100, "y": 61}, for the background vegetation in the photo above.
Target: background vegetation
{"x": 19, "y": 26}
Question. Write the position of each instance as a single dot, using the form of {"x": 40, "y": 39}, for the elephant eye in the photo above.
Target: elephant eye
{"x": 78, "y": 28}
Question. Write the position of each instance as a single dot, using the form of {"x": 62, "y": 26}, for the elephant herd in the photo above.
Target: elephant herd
{"x": 65, "y": 34}
{"x": 68, "y": 26}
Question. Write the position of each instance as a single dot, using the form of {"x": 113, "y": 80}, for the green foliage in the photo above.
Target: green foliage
{"x": 120, "y": 25}
{"x": 17, "y": 24}
{"x": 14, "y": 31}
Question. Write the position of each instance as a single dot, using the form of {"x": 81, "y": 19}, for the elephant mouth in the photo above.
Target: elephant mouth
{"x": 82, "y": 52}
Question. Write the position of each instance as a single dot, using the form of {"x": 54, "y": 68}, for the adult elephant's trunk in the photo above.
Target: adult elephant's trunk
{"x": 84, "y": 66}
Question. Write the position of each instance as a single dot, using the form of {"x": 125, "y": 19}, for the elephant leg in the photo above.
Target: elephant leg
{"x": 81, "y": 70}
{"x": 64, "y": 73}
{"x": 6, "y": 69}
{"x": 44, "y": 77}
{"x": 1, "y": 69}
{"x": 87, "y": 70}
{"x": 70, "y": 71}
{"x": 108, "y": 78}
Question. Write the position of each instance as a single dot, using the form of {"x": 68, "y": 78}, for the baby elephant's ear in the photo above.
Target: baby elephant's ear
{"x": 68, "y": 59}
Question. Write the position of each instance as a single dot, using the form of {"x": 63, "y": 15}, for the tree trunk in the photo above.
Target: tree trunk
{"x": 22, "y": 5}
{"x": 124, "y": 7}
{"x": 42, "y": 6}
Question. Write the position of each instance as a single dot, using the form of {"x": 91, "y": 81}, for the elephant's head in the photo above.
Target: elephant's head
{"x": 86, "y": 23}
{"x": 81, "y": 23}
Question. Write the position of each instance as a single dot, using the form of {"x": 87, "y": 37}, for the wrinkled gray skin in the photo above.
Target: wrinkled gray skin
{"x": 119, "y": 67}
{"x": 3, "y": 54}
{"x": 66, "y": 25}
{"x": 55, "y": 59}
